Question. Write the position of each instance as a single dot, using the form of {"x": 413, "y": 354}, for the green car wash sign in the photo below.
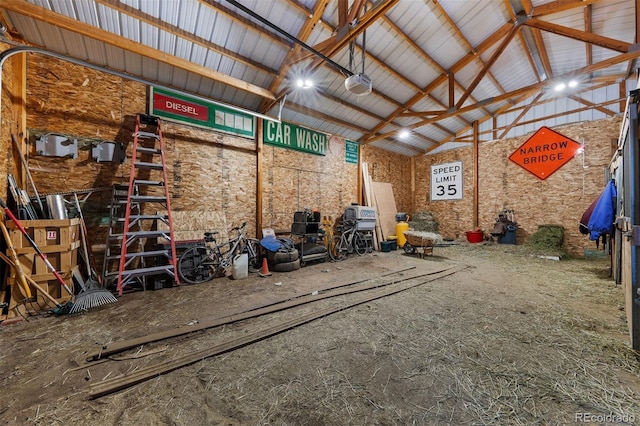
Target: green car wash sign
{"x": 199, "y": 112}
{"x": 290, "y": 136}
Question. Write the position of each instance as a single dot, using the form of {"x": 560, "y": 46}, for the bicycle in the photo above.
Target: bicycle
{"x": 205, "y": 262}
{"x": 349, "y": 240}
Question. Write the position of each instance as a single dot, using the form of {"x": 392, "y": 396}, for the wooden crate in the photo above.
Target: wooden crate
{"x": 59, "y": 240}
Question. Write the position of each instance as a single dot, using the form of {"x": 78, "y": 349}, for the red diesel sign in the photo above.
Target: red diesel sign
{"x": 180, "y": 107}
{"x": 545, "y": 152}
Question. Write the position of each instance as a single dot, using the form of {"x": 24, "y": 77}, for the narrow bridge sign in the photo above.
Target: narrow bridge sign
{"x": 545, "y": 152}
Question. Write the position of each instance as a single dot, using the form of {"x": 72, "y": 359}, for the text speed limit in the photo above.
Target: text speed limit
{"x": 446, "y": 181}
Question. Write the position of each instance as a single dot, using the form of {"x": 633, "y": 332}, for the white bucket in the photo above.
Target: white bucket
{"x": 240, "y": 266}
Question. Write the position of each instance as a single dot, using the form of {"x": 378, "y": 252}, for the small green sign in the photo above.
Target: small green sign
{"x": 351, "y": 151}
{"x": 199, "y": 112}
{"x": 290, "y": 136}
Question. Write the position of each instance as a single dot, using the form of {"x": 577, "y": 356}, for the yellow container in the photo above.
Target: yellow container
{"x": 400, "y": 228}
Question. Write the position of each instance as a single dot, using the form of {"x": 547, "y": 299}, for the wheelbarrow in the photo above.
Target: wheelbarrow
{"x": 419, "y": 242}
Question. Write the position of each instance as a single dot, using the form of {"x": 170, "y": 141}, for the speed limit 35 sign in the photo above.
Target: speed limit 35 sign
{"x": 446, "y": 181}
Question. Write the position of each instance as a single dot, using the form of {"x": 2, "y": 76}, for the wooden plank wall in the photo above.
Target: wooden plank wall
{"x": 214, "y": 172}
{"x": 561, "y": 199}
{"x": 293, "y": 181}
{"x": 212, "y": 176}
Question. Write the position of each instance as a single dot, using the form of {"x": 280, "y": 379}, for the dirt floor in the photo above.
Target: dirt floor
{"x": 507, "y": 338}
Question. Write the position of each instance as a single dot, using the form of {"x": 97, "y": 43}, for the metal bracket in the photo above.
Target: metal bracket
{"x": 53, "y": 145}
{"x": 108, "y": 152}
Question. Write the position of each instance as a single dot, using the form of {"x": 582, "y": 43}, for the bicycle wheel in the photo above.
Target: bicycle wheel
{"x": 197, "y": 265}
{"x": 360, "y": 244}
{"x": 336, "y": 249}
{"x": 251, "y": 246}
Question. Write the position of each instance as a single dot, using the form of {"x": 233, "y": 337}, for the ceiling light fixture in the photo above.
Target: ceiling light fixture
{"x": 304, "y": 83}
{"x": 563, "y": 85}
{"x": 358, "y": 83}
{"x": 403, "y": 134}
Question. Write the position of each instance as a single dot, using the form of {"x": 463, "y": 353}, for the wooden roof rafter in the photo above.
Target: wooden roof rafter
{"x": 303, "y": 34}
{"x": 588, "y": 27}
{"x": 524, "y": 112}
{"x": 509, "y": 109}
{"x": 61, "y": 21}
{"x": 277, "y": 38}
{"x": 518, "y": 92}
{"x": 426, "y": 56}
{"x": 522, "y": 35}
{"x": 465, "y": 60}
{"x": 556, "y": 115}
{"x": 470, "y": 47}
{"x": 121, "y": 7}
{"x": 332, "y": 45}
{"x": 584, "y": 36}
{"x": 595, "y": 106}
{"x": 494, "y": 57}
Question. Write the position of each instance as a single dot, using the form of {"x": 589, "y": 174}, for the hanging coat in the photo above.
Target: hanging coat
{"x": 584, "y": 220}
{"x": 603, "y": 215}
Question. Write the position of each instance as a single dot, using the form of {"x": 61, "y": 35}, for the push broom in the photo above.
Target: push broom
{"x": 77, "y": 300}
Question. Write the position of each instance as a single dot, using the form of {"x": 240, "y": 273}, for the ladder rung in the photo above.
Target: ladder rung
{"x": 148, "y": 198}
{"x": 144, "y": 217}
{"x": 141, "y": 254}
{"x": 149, "y": 182}
{"x": 142, "y": 134}
{"x": 148, "y": 271}
{"x": 146, "y": 234}
{"x": 149, "y": 150}
{"x": 147, "y": 165}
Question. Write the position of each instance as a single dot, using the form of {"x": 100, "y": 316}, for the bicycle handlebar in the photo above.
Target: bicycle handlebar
{"x": 212, "y": 234}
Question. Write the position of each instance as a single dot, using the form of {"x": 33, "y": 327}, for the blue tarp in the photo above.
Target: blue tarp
{"x": 274, "y": 244}
{"x": 603, "y": 216}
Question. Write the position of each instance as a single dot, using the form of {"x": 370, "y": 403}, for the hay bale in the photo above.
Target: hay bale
{"x": 547, "y": 237}
{"x": 423, "y": 221}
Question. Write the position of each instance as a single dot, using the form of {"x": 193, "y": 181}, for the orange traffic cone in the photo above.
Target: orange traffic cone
{"x": 264, "y": 272}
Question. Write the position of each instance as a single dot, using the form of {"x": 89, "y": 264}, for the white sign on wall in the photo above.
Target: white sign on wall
{"x": 446, "y": 181}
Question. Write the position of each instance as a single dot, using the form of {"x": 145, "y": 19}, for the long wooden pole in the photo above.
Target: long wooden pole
{"x": 476, "y": 179}
{"x": 259, "y": 180}
{"x": 21, "y": 277}
{"x": 18, "y": 148}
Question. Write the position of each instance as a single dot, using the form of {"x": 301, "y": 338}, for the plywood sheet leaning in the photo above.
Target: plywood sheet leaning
{"x": 386, "y": 207}
{"x": 370, "y": 201}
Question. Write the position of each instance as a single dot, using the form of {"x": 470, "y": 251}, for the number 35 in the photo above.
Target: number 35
{"x": 451, "y": 190}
